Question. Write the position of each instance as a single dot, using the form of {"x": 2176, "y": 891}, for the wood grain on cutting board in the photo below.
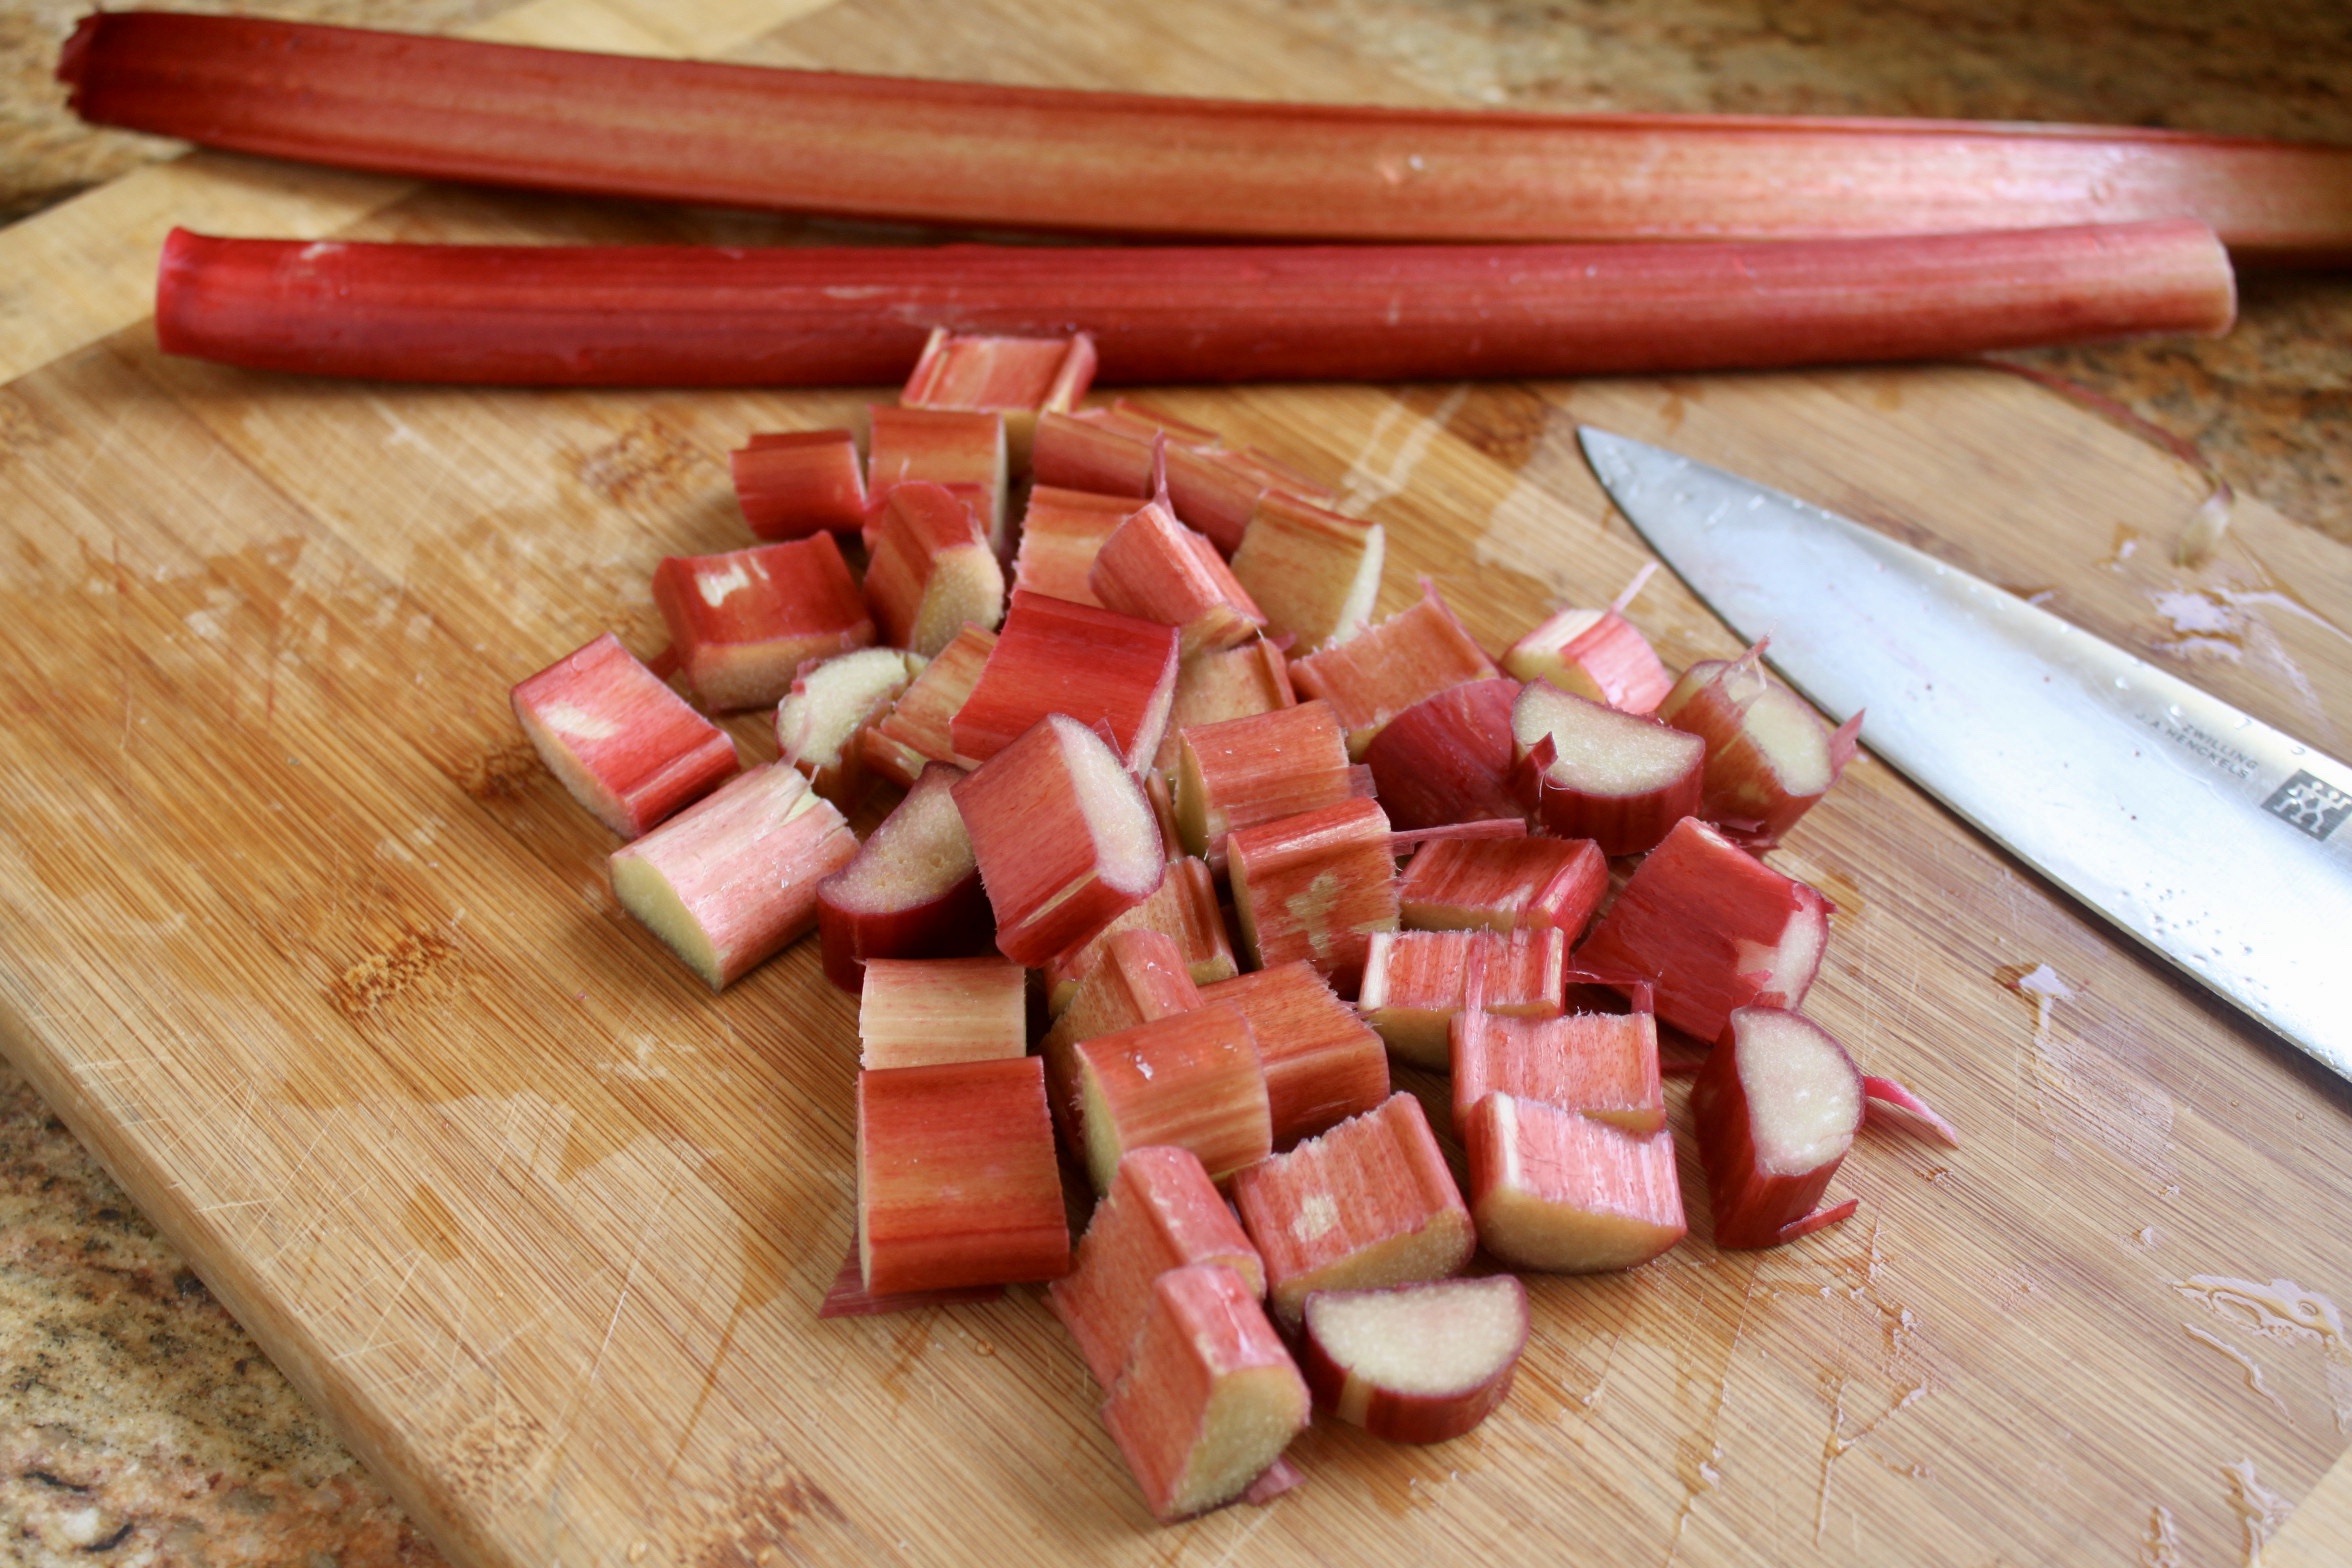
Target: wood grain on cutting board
{"x": 296, "y": 933}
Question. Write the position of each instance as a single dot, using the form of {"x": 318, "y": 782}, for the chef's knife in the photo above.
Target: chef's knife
{"x": 2214, "y": 839}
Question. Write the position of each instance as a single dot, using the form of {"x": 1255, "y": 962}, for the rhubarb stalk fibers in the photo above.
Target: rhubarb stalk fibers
{"x": 779, "y": 316}
{"x": 964, "y": 153}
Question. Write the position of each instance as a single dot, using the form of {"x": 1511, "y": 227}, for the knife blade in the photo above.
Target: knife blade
{"x": 2218, "y": 842}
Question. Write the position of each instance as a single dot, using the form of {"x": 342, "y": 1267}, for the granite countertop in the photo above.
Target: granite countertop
{"x": 138, "y": 1422}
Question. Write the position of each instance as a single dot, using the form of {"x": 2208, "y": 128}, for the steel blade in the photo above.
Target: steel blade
{"x": 2203, "y": 832}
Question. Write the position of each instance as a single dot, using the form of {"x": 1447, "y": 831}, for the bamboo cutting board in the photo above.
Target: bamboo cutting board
{"x": 296, "y": 933}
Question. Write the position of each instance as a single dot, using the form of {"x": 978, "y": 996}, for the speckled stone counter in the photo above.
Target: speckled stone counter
{"x": 138, "y": 1423}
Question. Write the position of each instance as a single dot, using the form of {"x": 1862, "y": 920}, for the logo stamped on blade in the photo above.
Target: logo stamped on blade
{"x": 2315, "y": 807}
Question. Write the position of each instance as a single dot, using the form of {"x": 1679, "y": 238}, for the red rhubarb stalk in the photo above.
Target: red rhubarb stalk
{"x": 677, "y": 316}
{"x": 1025, "y": 157}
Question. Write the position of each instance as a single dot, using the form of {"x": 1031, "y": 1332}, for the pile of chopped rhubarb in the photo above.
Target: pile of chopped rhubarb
{"x": 1133, "y": 918}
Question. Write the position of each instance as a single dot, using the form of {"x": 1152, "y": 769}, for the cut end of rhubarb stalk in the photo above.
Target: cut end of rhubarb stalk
{"x": 1561, "y": 1192}
{"x": 1804, "y": 1096}
{"x": 912, "y": 892}
{"x": 1592, "y": 772}
{"x": 1418, "y": 1363}
{"x": 1210, "y": 1399}
{"x": 818, "y": 720}
{"x": 1769, "y": 756}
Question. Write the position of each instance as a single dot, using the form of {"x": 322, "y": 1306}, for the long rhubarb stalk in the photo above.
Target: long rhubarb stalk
{"x": 1041, "y": 158}
{"x": 686, "y": 316}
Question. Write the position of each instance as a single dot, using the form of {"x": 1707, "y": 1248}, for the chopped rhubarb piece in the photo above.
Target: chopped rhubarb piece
{"x": 1242, "y": 772}
{"x": 1218, "y": 491}
{"x": 847, "y": 1296}
{"x": 1162, "y": 1212}
{"x": 1314, "y": 573}
{"x": 818, "y": 721}
{"x": 1100, "y": 450}
{"x": 1064, "y": 837}
{"x": 1711, "y": 928}
{"x": 1096, "y": 666}
{"x": 1367, "y": 1204}
{"x": 1777, "y": 1105}
{"x": 794, "y": 484}
{"x": 920, "y": 1012}
{"x": 1590, "y": 771}
{"x": 1415, "y": 1363}
{"x": 1184, "y": 907}
{"x": 1561, "y": 1192}
{"x": 1381, "y": 671}
{"x": 1192, "y": 1081}
{"x": 743, "y": 623}
{"x": 1602, "y": 1065}
{"x": 1016, "y": 377}
{"x": 957, "y": 1180}
{"x": 1891, "y": 1105}
{"x": 1061, "y": 533}
{"x": 1504, "y": 884}
{"x": 1315, "y": 887}
{"x": 1413, "y": 983}
{"x": 960, "y": 450}
{"x": 916, "y": 731}
{"x": 1448, "y": 758}
{"x": 1210, "y": 1397}
{"x": 627, "y": 747}
{"x": 1323, "y": 1063}
{"x": 931, "y": 569}
{"x": 1155, "y": 568}
{"x": 1141, "y": 978}
{"x": 912, "y": 892}
{"x": 734, "y": 877}
{"x": 1596, "y": 654}
{"x": 1214, "y": 687}
{"x": 1769, "y": 756}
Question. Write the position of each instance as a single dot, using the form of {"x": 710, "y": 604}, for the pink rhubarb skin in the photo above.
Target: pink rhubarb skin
{"x": 1013, "y": 157}
{"x": 627, "y": 747}
{"x": 1448, "y": 758}
{"x": 1762, "y": 1182}
{"x": 913, "y": 891}
{"x": 1162, "y": 1212}
{"x": 1419, "y": 1363}
{"x": 680, "y": 316}
{"x": 1210, "y": 1397}
{"x": 1712, "y": 929}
